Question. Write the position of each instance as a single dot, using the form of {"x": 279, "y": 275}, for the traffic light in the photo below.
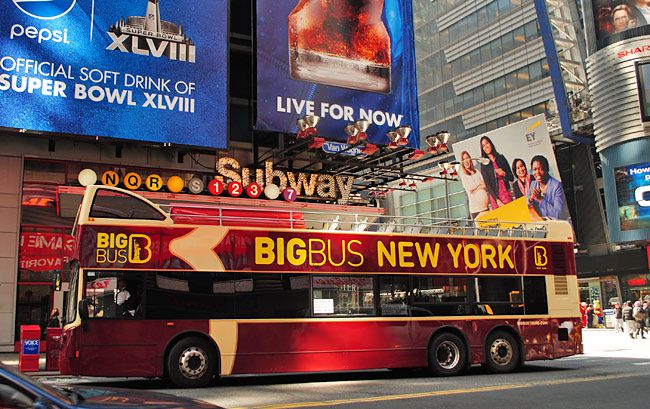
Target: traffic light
{"x": 56, "y": 281}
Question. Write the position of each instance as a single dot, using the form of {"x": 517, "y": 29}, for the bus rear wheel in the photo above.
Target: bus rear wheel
{"x": 447, "y": 355}
{"x": 501, "y": 352}
{"x": 191, "y": 363}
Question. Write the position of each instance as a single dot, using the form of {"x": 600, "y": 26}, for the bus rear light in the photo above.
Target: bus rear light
{"x": 76, "y": 354}
{"x": 170, "y": 324}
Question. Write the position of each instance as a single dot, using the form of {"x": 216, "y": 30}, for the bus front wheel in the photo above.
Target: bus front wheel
{"x": 502, "y": 352}
{"x": 191, "y": 363}
{"x": 447, "y": 355}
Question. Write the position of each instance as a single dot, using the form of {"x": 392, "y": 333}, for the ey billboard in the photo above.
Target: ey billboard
{"x": 510, "y": 174}
{"x": 149, "y": 70}
{"x": 340, "y": 60}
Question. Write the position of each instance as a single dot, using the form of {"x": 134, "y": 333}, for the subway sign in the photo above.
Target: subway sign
{"x": 235, "y": 180}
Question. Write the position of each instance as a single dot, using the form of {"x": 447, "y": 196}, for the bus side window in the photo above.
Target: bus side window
{"x": 115, "y": 205}
{"x": 114, "y": 295}
{"x": 535, "y": 301}
{"x": 393, "y": 295}
{"x": 440, "y": 296}
{"x": 501, "y": 294}
{"x": 343, "y": 296}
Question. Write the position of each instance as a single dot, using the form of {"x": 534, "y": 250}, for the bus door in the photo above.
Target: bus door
{"x": 114, "y": 341}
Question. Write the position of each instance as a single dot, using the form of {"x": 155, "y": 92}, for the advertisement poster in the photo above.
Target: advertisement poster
{"x": 340, "y": 60}
{"x": 633, "y": 194}
{"x": 148, "y": 70}
{"x": 45, "y": 251}
{"x": 619, "y": 16}
{"x": 510, "y": 174}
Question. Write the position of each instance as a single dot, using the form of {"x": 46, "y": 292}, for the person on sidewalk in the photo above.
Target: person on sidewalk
{"x": 590, "y": 316}
{"x": 618, "y": 314}
{"x": 630, "y": 324}
{"x": 53, "y": 321}
{"x": 639, "y": 316}
{"x": 646, "y": 308}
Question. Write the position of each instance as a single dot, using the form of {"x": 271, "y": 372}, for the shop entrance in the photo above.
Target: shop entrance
{"x": 34, "y": 303}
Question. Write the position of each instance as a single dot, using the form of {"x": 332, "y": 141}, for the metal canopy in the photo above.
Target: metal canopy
{"x": 371, "y": 172}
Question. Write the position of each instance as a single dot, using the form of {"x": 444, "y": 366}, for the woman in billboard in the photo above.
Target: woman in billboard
{"x": 546, "y": 195}
{"x": 521, "y": 185}
{"x": 496, "y": 174}
{"x": 474, "y": 186}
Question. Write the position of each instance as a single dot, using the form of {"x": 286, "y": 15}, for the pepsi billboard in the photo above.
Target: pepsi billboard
{"x": 340, "y": 60}
{"x": 147, "y": 70}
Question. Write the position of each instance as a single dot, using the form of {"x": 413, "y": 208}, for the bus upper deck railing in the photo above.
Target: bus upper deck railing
{"x": 354, "y": 222}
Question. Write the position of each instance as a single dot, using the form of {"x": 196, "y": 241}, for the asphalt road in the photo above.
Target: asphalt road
{"x": 613, "y": 373}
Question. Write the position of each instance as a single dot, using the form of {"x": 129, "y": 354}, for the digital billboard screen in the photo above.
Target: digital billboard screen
{"x": 340, "y": 60}
{"x": 643, "y": 75}
{"x": 633, "y": 194}
{"x": 149, "y": 70}
{"x": 619, "y": 20}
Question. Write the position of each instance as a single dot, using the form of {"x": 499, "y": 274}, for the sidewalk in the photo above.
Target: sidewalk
{"x": 605, "y": 342}
{"x": 11, "y": 359}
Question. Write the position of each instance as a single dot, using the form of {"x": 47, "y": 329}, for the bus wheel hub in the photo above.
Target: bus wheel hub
{"x": 193, "y": 362}
{"x": 448, "y": 355}
{"x": 501, "y": 351}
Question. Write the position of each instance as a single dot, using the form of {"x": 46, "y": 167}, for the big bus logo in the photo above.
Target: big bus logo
{"x": 541, "y": 260}
{"x": 123, "y": 248}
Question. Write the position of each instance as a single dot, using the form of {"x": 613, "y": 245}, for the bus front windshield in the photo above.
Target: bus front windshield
{"x": 71, "y": 308}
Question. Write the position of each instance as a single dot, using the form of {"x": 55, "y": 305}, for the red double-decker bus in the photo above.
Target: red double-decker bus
{"x": 193, "y": 294}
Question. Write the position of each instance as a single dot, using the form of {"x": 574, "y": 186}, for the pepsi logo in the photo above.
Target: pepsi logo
{"x": 45, "y": 9}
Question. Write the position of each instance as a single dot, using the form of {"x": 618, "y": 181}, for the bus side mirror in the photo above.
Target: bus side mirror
{"x": 83, "y": 312}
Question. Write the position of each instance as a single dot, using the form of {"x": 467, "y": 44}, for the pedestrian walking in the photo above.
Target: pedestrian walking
{"x": 646, "y": 308}
{"x": 628, "y": 319}
{"x": 618, "y": 313}
{"x": 639, "y": 316}
{"x": 590, "y": 316}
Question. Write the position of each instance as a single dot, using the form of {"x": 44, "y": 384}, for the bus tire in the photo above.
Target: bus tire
{"x": 447, "y": 355}
{"x": 501, "y": 352}
{"x": 191, "y": 363}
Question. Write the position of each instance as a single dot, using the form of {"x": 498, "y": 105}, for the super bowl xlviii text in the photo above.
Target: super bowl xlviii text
{"x": 100, "y": 86}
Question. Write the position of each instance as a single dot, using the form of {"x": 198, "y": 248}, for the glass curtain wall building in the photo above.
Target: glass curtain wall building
{"x": 481, "y": 65}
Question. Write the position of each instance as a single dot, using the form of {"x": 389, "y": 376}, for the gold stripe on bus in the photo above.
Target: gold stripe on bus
{"x": 338, "y": 273}
{"x": 519, "y": 318}
{"x": 224, "y": 333}
{"x": 195, "y": 248}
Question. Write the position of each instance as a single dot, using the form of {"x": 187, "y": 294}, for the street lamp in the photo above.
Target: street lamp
{"x": 438, "y": 143}
{"x": 399, "y": 136}
{"x": 307, "y": 126}
{"x": 357, "y": 131}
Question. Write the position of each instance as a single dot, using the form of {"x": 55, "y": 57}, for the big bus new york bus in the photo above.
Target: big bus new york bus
{"x": 193, "y": 293}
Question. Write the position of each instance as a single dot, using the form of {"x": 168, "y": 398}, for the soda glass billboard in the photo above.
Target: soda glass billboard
{"x": 150, "y": 70}
{"x": 340, "y": 60}
{"x": 633, "y": 194}
{"x": 511, "y": 174}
